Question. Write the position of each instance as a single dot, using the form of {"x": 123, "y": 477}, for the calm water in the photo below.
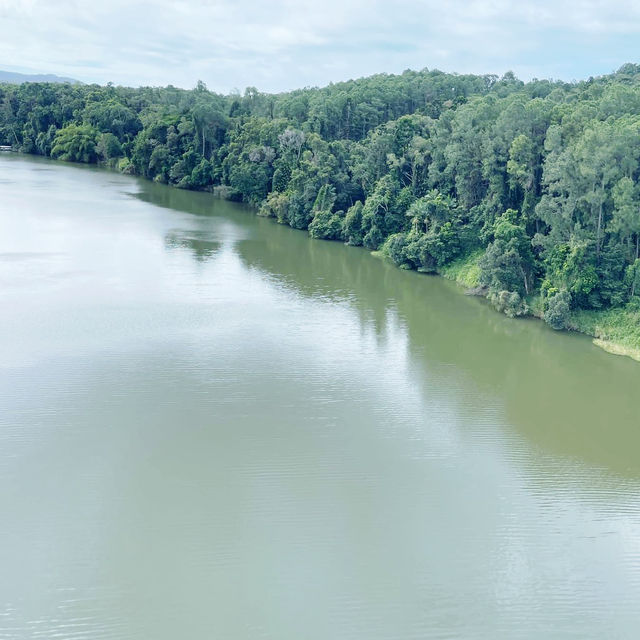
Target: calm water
{"x": 212, "y": 426}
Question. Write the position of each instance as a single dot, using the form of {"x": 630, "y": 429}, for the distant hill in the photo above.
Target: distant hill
{"x": 18, "y": 78}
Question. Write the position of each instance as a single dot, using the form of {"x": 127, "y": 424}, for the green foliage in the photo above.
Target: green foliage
{"x": 521, "y": 190}
{"x": 108, "y": 147}
{"x": 465, "y": 270}
{"x": 444, "y": 243}
{"x": 251, "y": 180}
{"x": 619, "y": 326}
{"x": 327, "y": 225}
{"x": 276, "y": 206}
{"x": 45, "y": 141}
{"x": 124, "y": 165}
{"x": 395, "y": 247}
{"x": 298, "y": 211}
{"x": 111, "y": 116}
{"x": 418, "y": 253}
{"x": 352, "y": 225}
{"x": 508, "y": 264}
{"x": 281, "y": 177}
{"x": 558, "y": 310}
{"x": 201, "y": 175}
{"x": 632, "y": 278}
{"x": 75, "y": 143}
{"x": 572, "y": 268}
{"x": 508, "y": 302}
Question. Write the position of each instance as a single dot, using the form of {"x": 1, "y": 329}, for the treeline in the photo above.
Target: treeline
{"x": 540, "y": 179}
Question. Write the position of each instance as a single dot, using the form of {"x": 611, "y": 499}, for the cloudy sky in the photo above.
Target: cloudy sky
{"x": 283, "y": 44}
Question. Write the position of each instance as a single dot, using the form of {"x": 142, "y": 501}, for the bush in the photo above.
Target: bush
{"x": 352, "y": 225}
{"x": 125, "y": 166}
{"x": 108, "y": 147}
{"x": 326, "y": 225}
{"x": 418, "y": 253}
{"x": 75, "y": 143}
{"x": 558, "y": 310}
{"x": 394, "y": 248}
{"x": 509, "y": 302}
{"x": 373, "y": 238}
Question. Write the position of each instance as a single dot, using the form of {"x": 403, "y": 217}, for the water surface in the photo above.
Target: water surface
{"x": 212, "y": 426}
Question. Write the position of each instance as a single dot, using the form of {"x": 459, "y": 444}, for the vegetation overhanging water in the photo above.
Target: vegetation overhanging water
{"x": 526, "y": 192}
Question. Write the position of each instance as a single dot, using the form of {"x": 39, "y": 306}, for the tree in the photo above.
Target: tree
{"x": 508, "y": 263}
{"x": 557, "y": 312}
{"x": 632, "y": 278}
{"x": 291, "y": 141}
{"x": 352, "y": 225}
{"x": 207, "y": 119}
{"x": 626, "y": 216}
{"x": 111, "y": 116}
{"x": 75, "y": 143}
{"x": 108, "y": 146}
{"x": 428, "y": 166}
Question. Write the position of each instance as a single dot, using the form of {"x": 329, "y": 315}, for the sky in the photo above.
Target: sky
{"x": 278, "y": 45}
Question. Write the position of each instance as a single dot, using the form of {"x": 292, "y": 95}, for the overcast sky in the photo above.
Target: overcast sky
{"x": 277, "y": 45}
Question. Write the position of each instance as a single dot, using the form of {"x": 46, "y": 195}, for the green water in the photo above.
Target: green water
{"x": 212, "y": 426}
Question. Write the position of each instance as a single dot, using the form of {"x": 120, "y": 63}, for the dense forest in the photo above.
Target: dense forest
{"x": 537, "y": 183}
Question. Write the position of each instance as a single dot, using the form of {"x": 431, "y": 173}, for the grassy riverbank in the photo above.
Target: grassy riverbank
{"x": 465, "y": 271}
{"x": 614, "y": 330}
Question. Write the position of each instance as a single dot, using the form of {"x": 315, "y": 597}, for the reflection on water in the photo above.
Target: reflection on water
{"x": 561, "y": 392}
{"x": 199, "y": 243}
{"x": 213, "y": 426}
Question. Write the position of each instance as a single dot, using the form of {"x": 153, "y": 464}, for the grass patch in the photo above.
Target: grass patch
{"x": 615, "y": 330}
{"x": 465, "y": 270}
{"x": 535, "y": 305}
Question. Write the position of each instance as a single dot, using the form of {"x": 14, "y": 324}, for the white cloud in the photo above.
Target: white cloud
{"x": 285, "y": 43}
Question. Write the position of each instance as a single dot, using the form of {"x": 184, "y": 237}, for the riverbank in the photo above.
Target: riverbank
{"x": 617, "y": 331}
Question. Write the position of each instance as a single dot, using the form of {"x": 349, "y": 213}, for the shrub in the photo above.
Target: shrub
{"x": 509, "y": 302}
{"x": 558, "y": 308}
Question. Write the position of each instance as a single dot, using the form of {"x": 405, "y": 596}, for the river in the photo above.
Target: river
{"x": 213, "y": 426}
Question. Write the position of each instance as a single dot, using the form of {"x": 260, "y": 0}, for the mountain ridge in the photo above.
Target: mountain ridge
{"x": 11, "y": 77}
